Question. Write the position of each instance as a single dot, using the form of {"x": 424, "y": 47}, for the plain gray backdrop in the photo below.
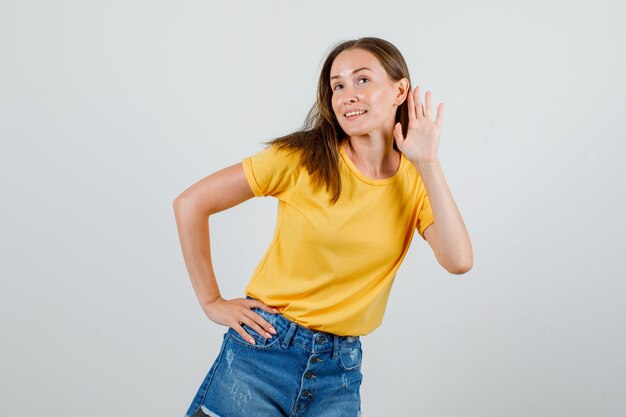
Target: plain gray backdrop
{"x": 108, "y": 110}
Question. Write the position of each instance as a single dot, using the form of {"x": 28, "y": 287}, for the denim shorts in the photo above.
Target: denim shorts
{"x": 298, "y": 372}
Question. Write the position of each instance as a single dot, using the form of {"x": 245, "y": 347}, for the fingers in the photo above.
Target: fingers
{"x": 439, "y": 118}
{"x": 397, "y": 133}
{"x": 259, "y": 325}
{"x": 238, "y": 313}
{"x": 245, "y": 335}
{"x": 419, "y": 107}
{"x": 419, "y": 110}
{"x": 258, "y": 319}
{"x": 261, "y": 320}
{"x": 411, "y": 104}
{"x": 259, "y": 304}
{"x": 254, "y": 321}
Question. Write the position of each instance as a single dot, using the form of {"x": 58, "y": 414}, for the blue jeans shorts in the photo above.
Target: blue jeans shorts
{"x": 298, "y": 372}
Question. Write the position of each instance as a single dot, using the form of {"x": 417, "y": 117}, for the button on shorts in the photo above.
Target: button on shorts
{"x": 298, "y": 372}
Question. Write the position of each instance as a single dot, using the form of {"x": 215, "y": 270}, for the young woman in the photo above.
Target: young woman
{"x": 353, "y": 186}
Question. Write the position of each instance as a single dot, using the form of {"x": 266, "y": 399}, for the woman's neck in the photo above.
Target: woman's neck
{"x": 374, "y": 158}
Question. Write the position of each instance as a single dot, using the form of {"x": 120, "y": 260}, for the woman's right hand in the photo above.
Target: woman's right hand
{"x": 233, "y": 313}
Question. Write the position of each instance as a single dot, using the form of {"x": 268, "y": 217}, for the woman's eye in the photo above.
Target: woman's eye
{"x": 339, "y": 85}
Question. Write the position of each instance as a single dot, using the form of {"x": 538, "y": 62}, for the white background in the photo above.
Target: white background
{"x": 108, "y": 110}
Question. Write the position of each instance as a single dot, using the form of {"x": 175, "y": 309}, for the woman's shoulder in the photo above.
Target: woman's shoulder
{"x": 274, "y": 160}
{"x": 276, "y": 152}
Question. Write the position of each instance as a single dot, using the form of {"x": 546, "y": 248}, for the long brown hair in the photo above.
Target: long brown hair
{"x": 320, "y": 136}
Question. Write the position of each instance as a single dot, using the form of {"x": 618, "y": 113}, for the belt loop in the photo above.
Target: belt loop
{"x": 335, "y": 345}
{"x": 289, "y": 335}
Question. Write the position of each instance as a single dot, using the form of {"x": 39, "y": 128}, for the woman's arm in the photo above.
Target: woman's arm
{"x": 193, "y": 207}
{"x": 447, "y": 236}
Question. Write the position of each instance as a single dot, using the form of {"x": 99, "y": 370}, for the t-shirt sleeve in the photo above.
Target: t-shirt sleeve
{"x": 425, "y": 212}
{"x": 271, "y": 171}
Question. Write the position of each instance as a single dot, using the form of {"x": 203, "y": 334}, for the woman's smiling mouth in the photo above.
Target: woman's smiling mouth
{"x": 354, "y": 114}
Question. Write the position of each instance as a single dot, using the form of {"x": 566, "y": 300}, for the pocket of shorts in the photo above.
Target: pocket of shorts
{"x": 261, "y": 342}
{"x": 351, "y": 357}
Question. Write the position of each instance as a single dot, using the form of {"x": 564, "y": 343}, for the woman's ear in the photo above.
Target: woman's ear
{"x": 402, "y": 88}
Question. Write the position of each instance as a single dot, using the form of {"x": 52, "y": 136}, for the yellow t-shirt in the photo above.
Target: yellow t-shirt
{"x": 331, "y": 268}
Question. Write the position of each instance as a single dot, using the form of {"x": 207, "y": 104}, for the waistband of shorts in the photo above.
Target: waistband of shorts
{"x": 314, "y": 340}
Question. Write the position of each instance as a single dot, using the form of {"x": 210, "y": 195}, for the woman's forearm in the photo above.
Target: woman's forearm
{"x": 193, "y": 207}
{"x": 193, "y": 232}
{"x": 453, "y": 246}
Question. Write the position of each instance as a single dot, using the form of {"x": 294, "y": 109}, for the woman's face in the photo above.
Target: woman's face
{"x": 360, "y": 83}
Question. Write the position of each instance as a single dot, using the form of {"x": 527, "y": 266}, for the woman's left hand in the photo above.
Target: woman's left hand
{"x": 422, "y": 137}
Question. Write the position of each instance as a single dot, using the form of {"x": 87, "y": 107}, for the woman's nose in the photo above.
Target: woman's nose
{"x": 349, "y": 95}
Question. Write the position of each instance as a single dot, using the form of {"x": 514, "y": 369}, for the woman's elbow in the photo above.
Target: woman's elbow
{"x": 459, "y": 267}
{"x": 179, "y": 202}
{"x": 185, "y": 204}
